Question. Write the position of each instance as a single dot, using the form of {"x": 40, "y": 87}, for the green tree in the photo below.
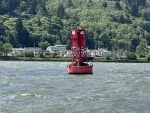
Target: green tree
{"x": 1, "y": 48}
{"x": 61, "y": 11}
{"x": 146, "y": 15}
{"x": 29, "y": 54}
{"x": 104, "y": 4}
{"x": 107, "y": 57}
{"x": 23, "y": 6}
{"x": 105, "y": 39}
{"x": 121, "y": 19}
{"x": 134, "y": 10}
{"x": 122, "y": 44}
{"x": 44, "y": 45}
{"x": 26, "y": 40}
{"x": 117, "y": 5}
{"x": 142, "y": 49}
{"x": 23, "y": 36}
{"x": 90, "y": 40}
{"x": 68, "y": 44}
{"x": 58, "y": 42}
{"x": 7, "y": 48}
{"x": 19, "y": 26}
{"x": 3, "y": 9}
{"x": 42, "y": 9}
{"x": 135, "y": 42}
{"x": 12, "y": 4}
{"x": 32, "y": 8}
{"x": 131, "y": 56}
{"x": 2, "y": 29}
{"x": 148, "y": 57}
{"x": 69, "y": 3}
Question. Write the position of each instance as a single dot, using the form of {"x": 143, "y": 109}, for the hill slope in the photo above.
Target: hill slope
{"x": 112, "y": 24}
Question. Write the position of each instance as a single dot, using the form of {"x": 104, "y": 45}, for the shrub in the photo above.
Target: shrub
{"x": 55, "y": 55}
{"x": 148, "y": 57}
{"x": 29, "y": 54}
{"x": 107, "y": 57}
{"x": 41, "y": 55}
{"x": 131, "y": 56}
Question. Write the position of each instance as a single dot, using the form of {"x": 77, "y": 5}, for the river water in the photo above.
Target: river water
{"x": 45, "y": 87}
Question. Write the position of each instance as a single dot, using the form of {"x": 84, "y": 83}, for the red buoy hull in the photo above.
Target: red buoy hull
{"x": 88, "y": 69}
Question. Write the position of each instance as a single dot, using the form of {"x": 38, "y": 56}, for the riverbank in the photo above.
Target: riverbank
{"x": 8, "y": 58}
{"x": 68, "y": 59}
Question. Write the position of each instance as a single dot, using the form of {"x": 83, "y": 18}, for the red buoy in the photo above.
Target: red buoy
{"x": 79, "y": 63}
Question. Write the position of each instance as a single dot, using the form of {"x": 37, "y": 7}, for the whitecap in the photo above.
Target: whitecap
{"x": 29, "y": 95}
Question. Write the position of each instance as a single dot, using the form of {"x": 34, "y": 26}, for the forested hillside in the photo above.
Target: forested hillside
{"x": 118, "y": 25}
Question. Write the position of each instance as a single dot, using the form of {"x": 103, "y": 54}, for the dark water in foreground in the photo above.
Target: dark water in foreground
{"x": 45, "y": 87}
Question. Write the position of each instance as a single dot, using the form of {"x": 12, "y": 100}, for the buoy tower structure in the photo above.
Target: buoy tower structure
{"x": 79, "y": 63}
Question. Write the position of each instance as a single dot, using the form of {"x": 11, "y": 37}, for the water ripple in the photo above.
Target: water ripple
{"x": 45, "y": 87}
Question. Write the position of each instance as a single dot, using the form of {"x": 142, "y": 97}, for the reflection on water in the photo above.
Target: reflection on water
{"x": 45, "y": 87}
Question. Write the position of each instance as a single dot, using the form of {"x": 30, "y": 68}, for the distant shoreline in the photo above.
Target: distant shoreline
{"x": 68, "y": 59}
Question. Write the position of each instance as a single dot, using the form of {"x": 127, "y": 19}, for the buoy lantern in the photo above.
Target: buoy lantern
{"x": 79, "y": 63}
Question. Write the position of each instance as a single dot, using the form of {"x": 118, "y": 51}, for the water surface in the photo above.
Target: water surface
{"x": 45, "y": 87}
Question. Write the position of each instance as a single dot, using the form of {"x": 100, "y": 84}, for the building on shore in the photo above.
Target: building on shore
{"x": 100, "y": 53}
{"x": 21, "y": 51}
{"x": 17, "y": 51}
{"x": 56, "y": 48}
{"x": 61, "y": 49}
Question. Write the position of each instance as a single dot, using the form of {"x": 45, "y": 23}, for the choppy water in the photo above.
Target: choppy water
{"x": 45, "y": 87}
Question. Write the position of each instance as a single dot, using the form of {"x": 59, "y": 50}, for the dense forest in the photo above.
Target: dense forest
{"x": 117, "y": 25}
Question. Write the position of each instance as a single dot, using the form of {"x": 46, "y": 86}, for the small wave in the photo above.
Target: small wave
{"x": 2, "y": 102}
{"x": 145, "y": 73}
{"x": 29, "y": 95}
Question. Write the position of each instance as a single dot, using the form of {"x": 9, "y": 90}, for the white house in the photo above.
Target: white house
{"x": 95, "y": 53}
{"x": 35, "y": 50}
{"x": 68, "y": 53}
{"x": 18, "y": 51}
{"x": 56, "y": 48}
{"x": 100, "y": 52}
{"x": 21, "y": 51}
{"x": 105, "y": 52}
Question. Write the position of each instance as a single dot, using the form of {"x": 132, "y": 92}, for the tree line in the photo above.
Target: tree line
{"x": 117, "y": 25}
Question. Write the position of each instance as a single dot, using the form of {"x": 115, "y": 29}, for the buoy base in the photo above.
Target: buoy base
{"x": 88, "y": 69}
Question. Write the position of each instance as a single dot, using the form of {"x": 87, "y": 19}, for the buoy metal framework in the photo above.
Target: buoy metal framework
{"x": 79, "y": 63}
